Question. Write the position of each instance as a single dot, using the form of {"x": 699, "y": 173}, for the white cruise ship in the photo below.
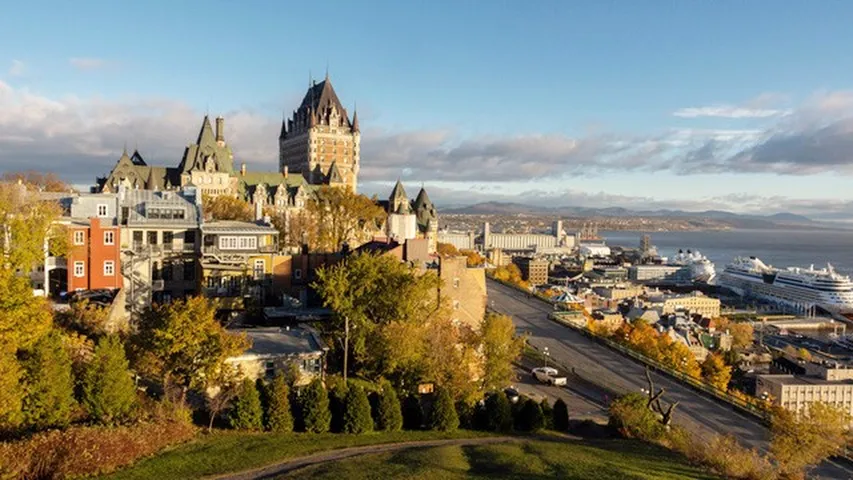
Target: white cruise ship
{"x": 796, "y": 287}
{"x": 701, "y": 269}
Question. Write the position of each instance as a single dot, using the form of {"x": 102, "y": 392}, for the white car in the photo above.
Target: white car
{"x": 548, "y": 375}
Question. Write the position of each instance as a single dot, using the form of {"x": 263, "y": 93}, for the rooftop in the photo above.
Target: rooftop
{"x": 234, "y": 226}
{"x": 803, "y": 380}
{"x": 275, "y": 341}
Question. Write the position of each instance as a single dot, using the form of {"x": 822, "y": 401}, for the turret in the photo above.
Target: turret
{"x": 220, "y": 131}
{"x": 355, "y": 121}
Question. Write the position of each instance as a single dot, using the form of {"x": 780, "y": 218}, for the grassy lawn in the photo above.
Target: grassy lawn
{"x": 224, "y": 452}
{"x": 530, "y": 459}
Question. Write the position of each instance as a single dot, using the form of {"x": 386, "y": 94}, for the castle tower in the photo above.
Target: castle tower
{"x": 320, "y": 135}
{"x": 427, "y": 218}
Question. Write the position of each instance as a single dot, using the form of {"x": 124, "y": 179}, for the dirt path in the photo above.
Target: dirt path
{"x": 272, "y": 471}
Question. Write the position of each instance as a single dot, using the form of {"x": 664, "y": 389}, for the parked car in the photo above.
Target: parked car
{"x": 548, "y": 375}
{"x": 512, "y": 394}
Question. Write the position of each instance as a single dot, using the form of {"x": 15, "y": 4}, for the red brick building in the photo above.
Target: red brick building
{"x": 94, "y": 257}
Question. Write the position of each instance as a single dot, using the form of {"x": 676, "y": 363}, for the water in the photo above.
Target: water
{"x": 780, "y": 248}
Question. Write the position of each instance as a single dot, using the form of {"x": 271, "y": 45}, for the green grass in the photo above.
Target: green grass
{"x": 225, "y": 452}
{"x": 525, "y": 459}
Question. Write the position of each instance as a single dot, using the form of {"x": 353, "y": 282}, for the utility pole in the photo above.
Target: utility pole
{"x": 346, "y": 345}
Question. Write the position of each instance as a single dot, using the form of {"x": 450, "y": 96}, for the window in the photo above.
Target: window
{"x": 189, "y": 270}
{"x": 79, "y": 237}
{"x": 167, "y": 271}
{"x": 152, "y": 238}
{"x": 109, "y": 268}
{"x": 109, "y": 237}
{"x": 79, "y": 269}
{"x": 189, "y": 237}
{"x": 238, "y": 243}
{"x": 103, "y": 210}
{"x": 297, "y": 274}
{"x": 168, "y": 237}
{"x": 259, "y": 270}
{"x": 269, "y": 369}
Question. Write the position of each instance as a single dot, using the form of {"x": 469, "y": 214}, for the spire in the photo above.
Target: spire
{"x": 206, "y": 132}
{"x": 327, "y": 71}
{"x": 355, "y": 119}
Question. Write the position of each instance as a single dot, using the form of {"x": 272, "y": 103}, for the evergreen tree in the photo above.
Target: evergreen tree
{"x": 530, "y": 418}
{"x": 315, "y": 407}
{"x": 444, "y": 417}
{"x": 108, "y": 390}
{"x": 499, "y": 412}
{"x": 560, "y": 416}
{"x": 466, "y": 413}
{"x": 357, "y": 411}
{"x": 247, "y": 413}
{"x": 548, "y": 413}
{"x": 278, "y": 417}
{"x": 413, "y": 413}
{"x": 49, "y": 384}
{"x": 337, "y": 403}
{"x": 389, "y": 414}
{"x": 11, "y": 391}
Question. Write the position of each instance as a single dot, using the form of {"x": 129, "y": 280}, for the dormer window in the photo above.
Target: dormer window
{"x": 103, "y": 210}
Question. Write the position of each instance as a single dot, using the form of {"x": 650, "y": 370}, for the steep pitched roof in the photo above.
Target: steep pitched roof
{"x": 321, "y": 96}
{"x": 136, "y": 159}
{"x": 425, "y": 211}
{"x": 205, "y": 135}
{"x": 399, "y": 193}
{"x": 335, "y": 174}
{"x": 195, "y": 154}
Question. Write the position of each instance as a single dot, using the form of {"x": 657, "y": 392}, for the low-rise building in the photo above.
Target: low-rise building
{"x": 619, "y": 292}
{"x": 609, "y": 320}
{"x": 695, "y": 302}
{"x": 829, "y": 385}
{"x": 533, "y": 270}
{"x": 464, "y": 288}
{"x": 659, "y": 273}
{"x": 276, "y": 350}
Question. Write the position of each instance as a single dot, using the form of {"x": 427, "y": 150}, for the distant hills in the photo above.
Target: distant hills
{"x": 733, "y": 220}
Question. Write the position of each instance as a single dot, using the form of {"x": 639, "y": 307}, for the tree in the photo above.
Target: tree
{"x": 226, "y": 207}
{"x": 220, "y": 394}
{"x": 743, "y": 334}
{"x": 389, "y": 416}
{"x": 631, "y": 415}
{"x": 49, "y": 385}
{"x": 530, "y": 417}
{"x": 413, "y": 413}
{"x": 444, "y": 417}
{"x": 501, "y": 347}
{"x": 716, "y": 372}
{"x": 548, "y": 413}
{"x": 804, "y": 354}
{"x": 511, "y": 274}
{"x": 315, "y": 407}
{"x": 11, "y": 391}
{"x": 278, "y": 417}
{"x": 447, "y": 250}
{"x": 342, "y": 216}
{"x": 247, "y": 413}
{"x": 798, "y": 441}
{"x": 183, "y": 343}
{"x": 337, "y": 390}
{"x": 560, "y": 416}
{"x": 499, "y": 412}
{"x": 474, "y": 259}
{"x": 295, "y": 229}
{"x": 357, "y": 417}
{"x": 41, "y": 181}
{"x": 85, "y": 318}
{"x": 108, "y": 390}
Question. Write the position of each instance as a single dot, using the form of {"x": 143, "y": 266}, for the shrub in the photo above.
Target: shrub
{"x": 49, "y": 385}
{"x": 278, "y": 417}
{"x": 499, "y": 412}
{"x": 560, "y": 416}
{"x": 357, "y": 411}
{"x": 389, "y": 415}
{"x": 246, "y": 413}
{"x": 444, "y": 417}
{"x": 87, "y": 451}
{"x": 530, "y": 418}
{"x": 337, "y": 391}
{"x": 413, "y": 413}
{"x": 630, "y": 415}
{"x": 108, "y": 389}
{"x": 315, "y": 408}
{"x": 547, "y": 413}
{"x": 467, "y": 414}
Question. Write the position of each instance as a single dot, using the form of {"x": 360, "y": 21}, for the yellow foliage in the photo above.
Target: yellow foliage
{"x": 226, "y": 207}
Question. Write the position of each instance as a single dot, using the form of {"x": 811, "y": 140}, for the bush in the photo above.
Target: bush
{"x": 630, "y": 415}
{"x": 547, "y": 413}
{"x": 315, "y": 408}
{"x": 444, "y": 417}
{"x": 498, "y": 412}
{"x": 560, "y": 416}
{"x": 337, "y": 390}
{"x": 108, "y": 390}
{"x": 389, "y": 415}
{"x": 530, "y": 417}
{"x": 467, "y": 414}
{"x": 277, "y": 417}
{"x": 88, "y": 451}
{"x": 247, "y": 413}
{"x": 49, "y": 385}
{"x": 413, "y": 413}
{"x": 357, "y": 411}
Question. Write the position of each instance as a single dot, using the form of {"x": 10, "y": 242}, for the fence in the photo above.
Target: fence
{"x": 740, "y": 404}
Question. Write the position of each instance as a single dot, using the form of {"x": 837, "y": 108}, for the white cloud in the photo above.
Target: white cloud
{"x": 87, "y": 63}
{"x": 17, "y": 69}
{"x": 729, "y": 111}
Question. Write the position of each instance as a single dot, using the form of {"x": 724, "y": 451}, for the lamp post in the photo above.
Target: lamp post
{"x": 547, "y": 354}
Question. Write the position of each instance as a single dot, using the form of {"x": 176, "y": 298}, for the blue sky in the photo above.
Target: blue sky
{"x": 633, "y": 103}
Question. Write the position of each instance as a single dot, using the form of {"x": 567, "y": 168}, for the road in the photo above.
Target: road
{"x": 696, "y": 412}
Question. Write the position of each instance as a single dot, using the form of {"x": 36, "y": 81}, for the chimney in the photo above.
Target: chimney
{"x": 243, "y": 169}
{"x": 220, "y": 131}
{"x": 285, "y": 172}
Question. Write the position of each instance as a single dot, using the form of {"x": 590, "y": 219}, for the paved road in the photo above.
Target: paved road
{"x": 579, "y": 407}
{"x": 695, "y": 412}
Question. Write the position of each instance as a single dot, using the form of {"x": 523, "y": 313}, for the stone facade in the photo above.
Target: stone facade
{"x": 465, "y": 290}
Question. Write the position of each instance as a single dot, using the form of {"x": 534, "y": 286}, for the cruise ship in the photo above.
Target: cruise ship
{"x": 701, "y": 269}
{"x": 800, "y": 288}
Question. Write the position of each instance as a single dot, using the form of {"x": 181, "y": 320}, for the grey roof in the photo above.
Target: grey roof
{"x": 142, "y": 205}
{"x": 84, "y": 206}
{"x": 206, "y": 146}
{"x": 234, "y": 226}
{"x": 271, "y": 342}
{"x": 425, "y": 210}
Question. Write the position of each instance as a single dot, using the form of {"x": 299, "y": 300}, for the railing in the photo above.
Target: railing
{"x": 214, "y": 250}
{"x": 743, "y": 405}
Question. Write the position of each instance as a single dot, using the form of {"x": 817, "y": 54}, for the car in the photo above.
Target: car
{"x": 512, "y": 394}
{"x": 548, "y": 375}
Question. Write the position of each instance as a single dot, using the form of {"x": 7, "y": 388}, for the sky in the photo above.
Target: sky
{"x": 742, "y": 106}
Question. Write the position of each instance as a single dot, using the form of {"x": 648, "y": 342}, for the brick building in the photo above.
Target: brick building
{"x": 533, "y": 270}
{"x": 94, "y": 258}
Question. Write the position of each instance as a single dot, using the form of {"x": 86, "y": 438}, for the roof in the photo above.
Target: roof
{"x": 802, "y": 380}
{"x": 425, "y": 210}
{"x": 273, "y": 342}
{"x": 322, "y": 95}
{"x": 206, "y": 146}
{"x": 235, "y": 226}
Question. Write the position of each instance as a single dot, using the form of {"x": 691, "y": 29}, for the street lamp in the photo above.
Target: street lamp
{"x": 547, "y": 354}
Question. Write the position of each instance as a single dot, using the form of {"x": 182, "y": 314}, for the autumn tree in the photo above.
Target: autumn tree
{"x": 182, "y": 342}
{"x": 743, "y": 334}
{"x": 41, "y": 181}
{"x": 500, "y": 347}
{"x": 295, "y": 228}
{"x": 800, "y": 441}
{"x": 11, "y": 391}
{"x": 49, "y": 385}
{"x": 109, "y": 393}
{"x": 716, "y": 372}
{"x": 226, "y": 207}
{"x": 220, "y": 391}
{"x": 84, "y": 317}
{"x": 447, "y": 250}
{"x": 511, "y": 274}
{"x": 474, "y": 259}
{"x": 342, "y": 216}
